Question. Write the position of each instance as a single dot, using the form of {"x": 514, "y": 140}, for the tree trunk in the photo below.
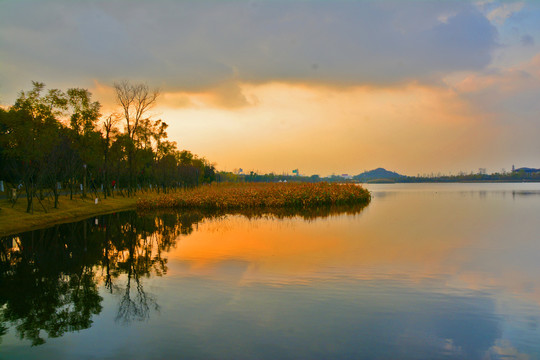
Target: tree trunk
{"x": 29, "y": 196}
{"x": 71, "y": 189}
{"x": 130, "y": 166}
{"x": 55, "y": 192}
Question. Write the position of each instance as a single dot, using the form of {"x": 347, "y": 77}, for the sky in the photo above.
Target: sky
{"x": 326, "y": 87}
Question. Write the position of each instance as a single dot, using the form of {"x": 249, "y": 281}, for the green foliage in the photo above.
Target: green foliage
{"x": 52, "y": 141}
{"x": 84, "y": 112}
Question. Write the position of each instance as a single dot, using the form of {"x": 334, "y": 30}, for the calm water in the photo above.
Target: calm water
{"x": 449, "y": 271}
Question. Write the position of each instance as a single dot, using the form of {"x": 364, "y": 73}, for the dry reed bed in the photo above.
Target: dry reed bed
{"x": 260, "y": 195}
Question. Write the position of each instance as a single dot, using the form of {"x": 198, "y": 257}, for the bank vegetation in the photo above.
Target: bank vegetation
{"x": 239, "y": 196}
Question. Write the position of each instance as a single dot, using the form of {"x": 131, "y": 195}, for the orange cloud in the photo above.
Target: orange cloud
{"x": 522, "y": 77}
{"x": 106, "y": 95}
{"x": 410, "y": 128}
{"x": 227, "y": 95}
{"x": 326, "y": 129}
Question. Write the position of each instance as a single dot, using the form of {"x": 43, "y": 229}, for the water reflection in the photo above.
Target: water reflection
{"x": 421, "y": 273}
{"x": 47, "y": 282}
{"x": 49, "y": 278}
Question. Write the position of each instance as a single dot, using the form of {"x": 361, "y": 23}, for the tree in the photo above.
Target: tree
{"x": 4, "y": 136}
{"x": 84, "y": 115}
{"x": 58, "y": 163}
{"x": 135, "y": 101}
{"x": 50, "y": 138}
{"x": 32, "y": 126}
{"x": 84, "y": 111}
{"x": 110, "y": 132}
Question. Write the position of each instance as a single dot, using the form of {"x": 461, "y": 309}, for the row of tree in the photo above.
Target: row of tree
{"x": 518, "y": 175}
{"x": 53, "y": 141}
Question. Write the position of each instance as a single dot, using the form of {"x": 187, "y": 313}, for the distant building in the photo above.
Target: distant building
{"x": 346, "y": 176}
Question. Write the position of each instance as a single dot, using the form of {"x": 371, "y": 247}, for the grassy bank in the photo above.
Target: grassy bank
{"x": 16, "y": 219}
{"x": 259, "y": 195}
{"x": 223, "y": 197}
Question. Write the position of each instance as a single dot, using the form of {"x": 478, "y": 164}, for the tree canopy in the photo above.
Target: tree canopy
{"x": 53, "y": 141}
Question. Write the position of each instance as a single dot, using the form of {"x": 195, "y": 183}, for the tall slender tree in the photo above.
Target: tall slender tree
{"x": 109, "y": 132}
{"x": 135, "y": 101}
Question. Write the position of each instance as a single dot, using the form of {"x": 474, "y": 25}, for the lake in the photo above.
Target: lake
{"x": 425, "y": 271}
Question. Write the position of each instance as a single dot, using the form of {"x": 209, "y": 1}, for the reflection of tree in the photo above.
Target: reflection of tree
{"x": 139, "y": 259}
{"x": 187, "y": 220}
{"x": 137, "y": 306}
{"x": 306, "y": 214}
{"x": 3, "y": 330}
{"x": 47, "y": 284}
{"x": 133, "y": 246}
{"x": 49, "y": 278}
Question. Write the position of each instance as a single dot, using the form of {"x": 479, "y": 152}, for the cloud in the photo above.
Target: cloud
{"x": 527, "y": 40}
{"x": 501, "y": 12}
{"x": 228, "y": 95}
{"x": 509, "y": 98}
{"x": 323, "y": 130}
{"x": 501, "y": 86}
{"x": 195, "y": 46}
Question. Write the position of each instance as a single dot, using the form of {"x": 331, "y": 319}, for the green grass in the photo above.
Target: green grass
{"x": 251, "y": 197}
{"x": 16, "y": 219}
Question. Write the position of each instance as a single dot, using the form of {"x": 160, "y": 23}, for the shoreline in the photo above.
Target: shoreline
{"x": 16, "y": 220}
{"x": 220, "y": 197}
{"x": 382, "y": 181}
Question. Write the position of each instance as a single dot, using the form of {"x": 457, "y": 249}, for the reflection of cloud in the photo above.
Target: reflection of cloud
{"x": 339, "y": 319}
{"x": 504, "y": 350}
{"x": 231, "y": 269}
{"x": 450, "y": 244}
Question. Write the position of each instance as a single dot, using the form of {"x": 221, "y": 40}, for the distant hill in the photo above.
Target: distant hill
{"x": 527, "y": 170}
{"x": 377, "y": 174}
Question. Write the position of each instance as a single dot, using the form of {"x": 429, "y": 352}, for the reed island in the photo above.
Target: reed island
{"x": 249, "y": 196}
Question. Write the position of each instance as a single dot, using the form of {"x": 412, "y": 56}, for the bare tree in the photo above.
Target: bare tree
{"x": 135, "y": 101}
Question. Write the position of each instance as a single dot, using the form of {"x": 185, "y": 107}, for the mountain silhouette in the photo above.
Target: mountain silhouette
{"x": 377, "y": 174}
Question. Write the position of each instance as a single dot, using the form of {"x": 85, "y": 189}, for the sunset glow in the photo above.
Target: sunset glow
{"x": 325, "y": 87}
